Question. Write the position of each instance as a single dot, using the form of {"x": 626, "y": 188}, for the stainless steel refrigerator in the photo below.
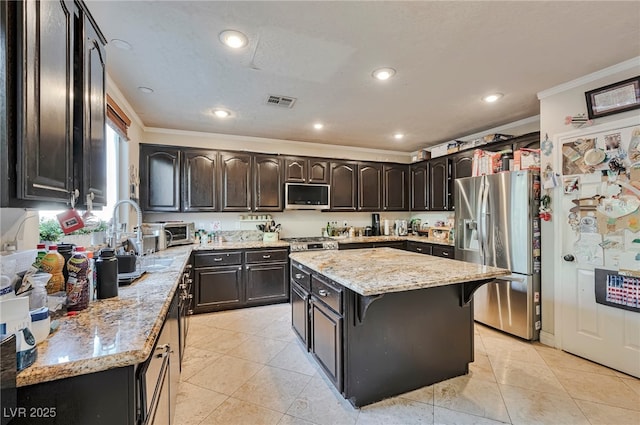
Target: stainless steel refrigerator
{"x": 497, "y": 225}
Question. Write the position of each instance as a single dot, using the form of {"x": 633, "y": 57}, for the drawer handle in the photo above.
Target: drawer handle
{"x": 299, "y": 276}
{"x": 323, "y": 293}
{"x": 266, "y": 257}
{"x": 445, "y": 253}
{"x": 217, "y": 259}
{"x": 419, "y": 249}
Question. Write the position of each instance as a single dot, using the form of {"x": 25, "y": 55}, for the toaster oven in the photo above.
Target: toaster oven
{"x": 171, "y": 233}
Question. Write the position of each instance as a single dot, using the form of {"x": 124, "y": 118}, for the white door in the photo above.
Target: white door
{"x": 601, "y": 333}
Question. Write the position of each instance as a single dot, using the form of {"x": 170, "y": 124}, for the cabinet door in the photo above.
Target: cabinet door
{"x": 439, "y": 184}
{"x": 235, "y": 181}
{"x": 199, "y": 180}
{"x": 362, "y": 245}
{"x": 326, "y": 340}
{"x": 267, "y": 283}
{"x": 462, "y": 165}
{"x": 419, "y": 187}
{"x": 159, "y": 178}
{"x": 218, "y": 288}
{"x": 267, "y": 188}
{"x": 300, "y": 313}
{"x": 369, "y": 187}
{"x": 343, "y": 186}
{"x": 390, "y": 244}
{"x": 295, "y": 170}
{"x": 92, "y": 158}
{"x": 396, "y": 187}
{"x": 318, "y": 171}
{"x": 45, "y": 99}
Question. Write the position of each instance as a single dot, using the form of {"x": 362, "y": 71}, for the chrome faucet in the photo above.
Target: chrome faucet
{"x": 116, "y": 224}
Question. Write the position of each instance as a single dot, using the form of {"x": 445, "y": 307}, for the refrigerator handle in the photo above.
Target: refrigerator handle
{"x": 481, "y": 219}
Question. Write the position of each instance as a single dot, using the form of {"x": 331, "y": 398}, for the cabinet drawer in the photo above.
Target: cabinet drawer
{"x": 422, "y": 248}
{"x": 301, "y": 277}
{"x": 443, "y": 251}
{"x": 217, "y": 259}
{"x": 266, "y": 256}
{"x": 329, "y": 294}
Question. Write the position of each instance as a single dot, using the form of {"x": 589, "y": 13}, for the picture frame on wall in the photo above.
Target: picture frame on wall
{"x": 614, "y": 98}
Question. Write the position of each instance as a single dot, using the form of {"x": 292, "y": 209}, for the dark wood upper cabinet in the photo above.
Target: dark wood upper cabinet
{"x": 159, "y": 178}
{"x": 370, "y": 187}
{"x": 462, "y": 165}
{"x": 528, "y": 141}
{"x": 419, "y": 192}
{"x": 306, "y": 170}
{"x": 235, "y": 181}
{"x": 318, "y": 171}
{"x": 53, "y": 104}
{"x": 267, "y": 186}
{"x": 44, "y": 101}
{"x": 396, "y": 187}
{"x": 439, "y": 184}
{"x": 199, "y": 180}
{"x": 90, "y": 155}
{"x": 344, "y": 187}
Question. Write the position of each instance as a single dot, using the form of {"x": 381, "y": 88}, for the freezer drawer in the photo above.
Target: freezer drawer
{"x": 511, "y": 304}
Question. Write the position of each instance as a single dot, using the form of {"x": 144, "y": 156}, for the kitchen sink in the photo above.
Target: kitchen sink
{"x": 153, "y": 264}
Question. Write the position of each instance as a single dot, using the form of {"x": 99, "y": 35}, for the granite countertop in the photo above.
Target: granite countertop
{"x": 391, "y": 238}
{"x": 240, "y": 245}
{"x": 383, "y": 270}
{"x": 110, "y": 333}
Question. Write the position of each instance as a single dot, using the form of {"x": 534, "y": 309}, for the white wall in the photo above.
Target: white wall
{"x": 555, "y": 104}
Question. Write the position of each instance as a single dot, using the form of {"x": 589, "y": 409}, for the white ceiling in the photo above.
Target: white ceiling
{"x": 448, "y": 54}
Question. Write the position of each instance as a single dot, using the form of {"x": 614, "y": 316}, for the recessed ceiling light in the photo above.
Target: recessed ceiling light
{"x": 221, "y": 113}
{"x": 233, "y": 39}
{"x": 121, "y": 44}
{"x": 398, "y": 136}
{"x": 383, "y": 73}
{"x": 145, "y": 89}
{"x": 492, "y": 97}
{"x": 318, "y": 126}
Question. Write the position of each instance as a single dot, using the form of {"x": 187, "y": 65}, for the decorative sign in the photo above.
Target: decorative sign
{"x": 614, "y": 98}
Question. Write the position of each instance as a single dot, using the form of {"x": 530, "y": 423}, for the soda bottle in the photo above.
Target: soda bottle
{"x": 78, "y": 282}
{"x": 42, "y": 251}
{"x": 53, "y": 263}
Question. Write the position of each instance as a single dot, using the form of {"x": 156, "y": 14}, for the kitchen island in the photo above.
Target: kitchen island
{"x": 381, "y": 322}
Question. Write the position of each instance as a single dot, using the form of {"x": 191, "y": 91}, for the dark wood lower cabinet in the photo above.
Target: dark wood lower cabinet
{"x": 326, "y": 340}
{"x": 225, "y": 280}
{"x": 266, "y": 282}
{"x": 300, "y": 312}
{"x": 218, "y": 288}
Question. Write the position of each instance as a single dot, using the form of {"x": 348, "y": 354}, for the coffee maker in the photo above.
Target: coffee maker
{"x": 375, "y": 224}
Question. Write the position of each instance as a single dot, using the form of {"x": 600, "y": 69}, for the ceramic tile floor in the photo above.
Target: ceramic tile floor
{"x": 247, "y": 367}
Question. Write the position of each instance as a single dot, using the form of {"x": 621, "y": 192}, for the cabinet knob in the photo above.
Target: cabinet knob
{"x": 569, "y": 258}
{"x": 323, "y": 293}
{"x": 299, "y": 276}
{"x": 189, "y": 281}
{"x": 188, "y": 267}
{"x": 419, "y": 249}
{"x": 217, "y": 259}
{"x": 266, "y": 257}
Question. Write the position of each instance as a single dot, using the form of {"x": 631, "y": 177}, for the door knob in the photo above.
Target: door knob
{"x": 569, "y": 258}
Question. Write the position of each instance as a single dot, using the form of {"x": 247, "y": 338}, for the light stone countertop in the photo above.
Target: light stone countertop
{"x": 240, "y": 245}
{"x": 392, "y": 238}
{"x": 382, "y": 270}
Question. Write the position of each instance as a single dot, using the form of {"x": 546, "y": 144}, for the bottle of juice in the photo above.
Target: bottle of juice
{"x": 53, "y": 263}
{"x": 42, "y": 251}
{"x": 78, "y": 282}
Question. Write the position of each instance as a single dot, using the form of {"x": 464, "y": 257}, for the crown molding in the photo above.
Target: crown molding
{"x": 586, "y": 79}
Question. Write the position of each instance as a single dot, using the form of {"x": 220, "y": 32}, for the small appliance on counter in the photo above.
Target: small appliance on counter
{"x": 375, "y": 225}
{"x": 170, "y": 233}
{"x": 15, "y": 319}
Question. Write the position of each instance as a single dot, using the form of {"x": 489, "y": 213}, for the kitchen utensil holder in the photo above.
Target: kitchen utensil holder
{"x": 270, "y": 236}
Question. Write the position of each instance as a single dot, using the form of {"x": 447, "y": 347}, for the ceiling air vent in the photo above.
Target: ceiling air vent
{"x": 282, "y": 101}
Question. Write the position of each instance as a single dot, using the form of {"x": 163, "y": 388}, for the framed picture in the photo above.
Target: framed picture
{"x": 614, "y": 98}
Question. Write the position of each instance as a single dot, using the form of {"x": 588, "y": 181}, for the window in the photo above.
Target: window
{"x": 113, "y": 142}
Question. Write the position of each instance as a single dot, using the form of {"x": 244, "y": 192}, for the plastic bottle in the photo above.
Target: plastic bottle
{"x": 66, "y": 250}
{"x": 53, "y": 263}
{"x": 78, "y": 282}
{"x": 42, "y": 251}
{"x": 91, "y": 275}
{"x": 107, "y": 274}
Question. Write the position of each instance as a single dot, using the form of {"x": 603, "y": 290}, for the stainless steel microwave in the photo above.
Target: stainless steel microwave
{"x": 300, "y": 196}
